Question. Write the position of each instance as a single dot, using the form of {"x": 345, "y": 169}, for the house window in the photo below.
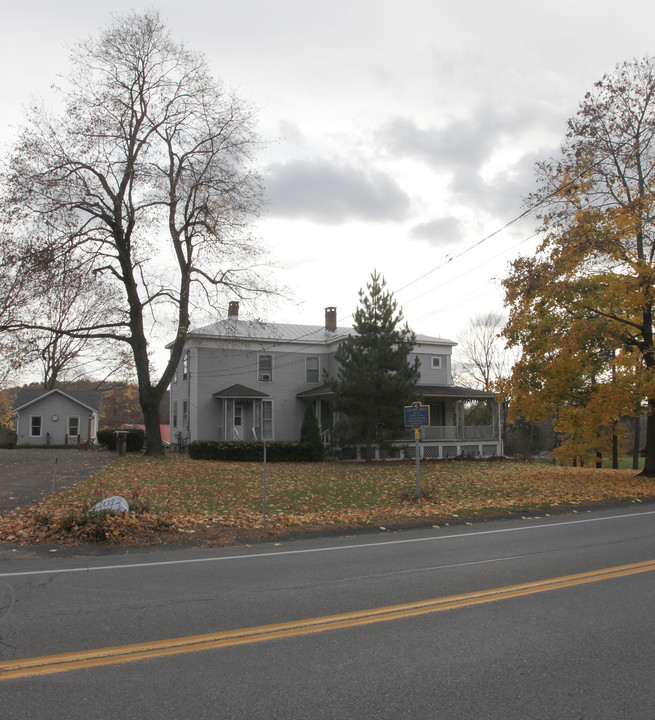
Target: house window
{"x": 311, "y": 369}
{"x": 175, "y": 413}
{"x": 36, "y": 422}
{"x": 73, "y": 426}
{"x": 185, "y": 365}
{"x": 436, "y": 362}
{"x": 185, "y": 414}
{"x": 265, "y": 368}
{"x": 267, "y": 419}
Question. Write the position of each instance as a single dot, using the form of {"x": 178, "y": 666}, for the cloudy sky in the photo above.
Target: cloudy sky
{"x": 403, "y": 134}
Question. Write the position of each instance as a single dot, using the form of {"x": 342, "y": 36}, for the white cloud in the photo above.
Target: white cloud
{"x": 333, "y": 193}
{"x": 397, "y": 127}
{"x": 441, "y": 232}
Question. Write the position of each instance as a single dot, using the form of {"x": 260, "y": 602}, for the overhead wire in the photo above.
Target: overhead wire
{"x": 450, "y": 258}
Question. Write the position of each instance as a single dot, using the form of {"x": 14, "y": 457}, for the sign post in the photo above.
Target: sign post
{"x": 417, "y": 416}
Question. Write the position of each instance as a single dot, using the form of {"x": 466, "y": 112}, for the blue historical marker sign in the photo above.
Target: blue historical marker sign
{"x": 417, "y": 415}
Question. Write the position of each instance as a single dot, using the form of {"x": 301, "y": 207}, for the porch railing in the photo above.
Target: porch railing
{"x": 450, "y": 432}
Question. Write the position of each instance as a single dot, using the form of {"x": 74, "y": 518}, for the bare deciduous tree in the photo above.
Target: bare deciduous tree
{"x": 144, "y": 183}
{"x": 482, "y": 355}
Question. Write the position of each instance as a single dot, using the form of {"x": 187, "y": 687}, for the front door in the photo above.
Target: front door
{"x": 238, "y": 421}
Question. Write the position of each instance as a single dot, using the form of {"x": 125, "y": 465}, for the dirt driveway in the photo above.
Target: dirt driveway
{"x": 27, "y": 475}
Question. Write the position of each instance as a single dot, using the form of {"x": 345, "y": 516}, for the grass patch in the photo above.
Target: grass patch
{"x": 175, "y": 496}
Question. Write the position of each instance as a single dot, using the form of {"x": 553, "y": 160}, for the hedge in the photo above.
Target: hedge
{"x": 251, "y": 451}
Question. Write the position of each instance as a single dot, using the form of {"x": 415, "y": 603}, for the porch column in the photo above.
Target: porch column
{"x": 459, "y": 419}
{"x": 495, "y": 418}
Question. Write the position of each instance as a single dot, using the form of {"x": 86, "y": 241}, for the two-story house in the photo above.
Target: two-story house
{"x": 244, "y": 380}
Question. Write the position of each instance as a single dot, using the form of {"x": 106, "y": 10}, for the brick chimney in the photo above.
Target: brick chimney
{"x": 331, "y": 319}
{"x": 233, "y": 310}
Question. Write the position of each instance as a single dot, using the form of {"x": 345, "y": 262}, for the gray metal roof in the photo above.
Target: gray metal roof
{"x": 91, "y": 399}
{"x": 280, "y": 332}
{"x": 276, "y": 332}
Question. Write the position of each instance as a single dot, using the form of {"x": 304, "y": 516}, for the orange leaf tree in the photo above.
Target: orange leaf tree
{"x": 581, "y": 308}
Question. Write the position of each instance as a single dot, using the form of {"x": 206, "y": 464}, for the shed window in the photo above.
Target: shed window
{"x": 73, "y": 426}
{"x": 36, "y": 422}
{"x": 436, "y": 362}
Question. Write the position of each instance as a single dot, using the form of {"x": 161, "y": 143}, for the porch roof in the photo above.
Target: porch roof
{"x": 320, "y": 391}
{"x": 453, "y": 391}
{"x": 430, "y": 391}
{"x": 239, "y": 392}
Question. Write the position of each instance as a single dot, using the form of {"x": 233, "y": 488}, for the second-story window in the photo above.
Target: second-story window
{"x": 436, "y": 362}
{"x": 265, "y": 368}
{"x": 185, "y": 365}
{"x": 311, "y": 370}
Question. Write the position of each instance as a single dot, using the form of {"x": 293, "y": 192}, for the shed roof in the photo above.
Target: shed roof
{"x": 90, "y": 399}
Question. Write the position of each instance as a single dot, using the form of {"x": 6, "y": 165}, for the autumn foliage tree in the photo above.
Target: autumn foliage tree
{"x": 581, "y": 308}
{"x": 144, "y": 182}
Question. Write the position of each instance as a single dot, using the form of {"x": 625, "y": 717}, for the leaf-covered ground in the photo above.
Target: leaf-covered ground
{"x": 176, "y": 498}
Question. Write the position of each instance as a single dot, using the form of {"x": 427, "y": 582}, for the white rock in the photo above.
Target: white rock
{"x": 116, "y": 503}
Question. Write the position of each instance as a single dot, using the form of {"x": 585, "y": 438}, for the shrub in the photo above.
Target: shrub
{"x": 310, "y": 434}
{"x": 250, "y": 451}
{"x": 106, "y": 438}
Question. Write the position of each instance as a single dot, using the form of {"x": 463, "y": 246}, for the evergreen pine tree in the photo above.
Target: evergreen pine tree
{"x": 310, "y": 434}
{"x": 376, "y": 379}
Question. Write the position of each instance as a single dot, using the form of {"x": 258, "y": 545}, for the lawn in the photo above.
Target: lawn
{"x": 175, "y": 498}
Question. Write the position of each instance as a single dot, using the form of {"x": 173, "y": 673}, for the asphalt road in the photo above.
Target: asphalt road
{"x": 505, "y": 640}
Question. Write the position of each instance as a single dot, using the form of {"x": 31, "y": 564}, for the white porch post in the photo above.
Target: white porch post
{"x": 459, "y": 418}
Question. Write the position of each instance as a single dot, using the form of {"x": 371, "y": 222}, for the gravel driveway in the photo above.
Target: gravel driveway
{"x": 27, "y": 475}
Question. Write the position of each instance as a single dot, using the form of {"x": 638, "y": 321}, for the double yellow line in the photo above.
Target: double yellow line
{"x": 65, "y": 662}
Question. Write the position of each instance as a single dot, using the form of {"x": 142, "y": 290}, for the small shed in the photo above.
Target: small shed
{"x": 57, "y": 417}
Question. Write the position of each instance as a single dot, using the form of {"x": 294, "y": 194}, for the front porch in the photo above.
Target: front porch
{"x": 463, "y": 423}
{"x": 245, "y": 415}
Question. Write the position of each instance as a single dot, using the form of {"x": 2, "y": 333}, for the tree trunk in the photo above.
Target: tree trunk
{"x": 151, "y": 416}
{"x": 649, "y": 462}
{"x": 636, "y": 440}
{"x": 149, "y": 396}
